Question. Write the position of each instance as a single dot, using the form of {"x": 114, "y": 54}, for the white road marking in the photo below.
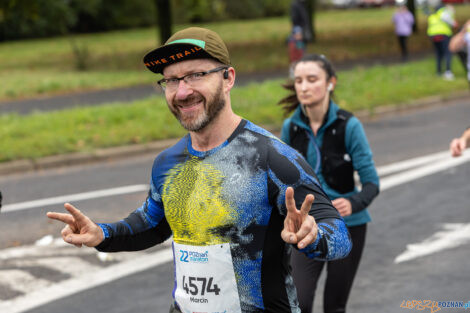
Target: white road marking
{"x": 457, "y": 234}
{"x": 74, "y": 197}
{"x": 69, "y": 264}
{"x": 85, "y": 281}
{"x": 22, "y": 281}
{"x": 56, "y": 248}
{"x": 435, "y": 162}
{"x": 59, "y": 248}
{"x": 406, "y": 171}
{"x": 453, "y": 235}
{"x": 412, "y": 163}
{"x": 413, "y": 174}
{"x": 439, "y": 161}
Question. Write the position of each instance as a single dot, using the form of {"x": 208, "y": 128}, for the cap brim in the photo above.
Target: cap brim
{"x": 159, "y": 58}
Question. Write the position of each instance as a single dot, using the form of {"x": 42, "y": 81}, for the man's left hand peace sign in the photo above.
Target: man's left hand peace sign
{"x": 299, "y": 227}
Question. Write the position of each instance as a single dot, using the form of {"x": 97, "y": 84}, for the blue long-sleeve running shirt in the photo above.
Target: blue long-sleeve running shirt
{"x": 225, "y": 209}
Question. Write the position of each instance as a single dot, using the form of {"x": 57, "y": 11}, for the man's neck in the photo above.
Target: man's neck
{"x": 214, "y": 134}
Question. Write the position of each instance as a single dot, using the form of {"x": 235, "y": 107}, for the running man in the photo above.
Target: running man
{"x": 234, "y": 197}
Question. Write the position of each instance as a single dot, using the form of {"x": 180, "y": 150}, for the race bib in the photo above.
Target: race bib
{"x": 205, "y": 280}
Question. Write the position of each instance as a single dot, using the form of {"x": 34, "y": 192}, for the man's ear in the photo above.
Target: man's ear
{"x": 229, "y": 76}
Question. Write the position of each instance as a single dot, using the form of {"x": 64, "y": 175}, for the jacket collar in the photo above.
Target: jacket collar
{"x": 301, "y": 120}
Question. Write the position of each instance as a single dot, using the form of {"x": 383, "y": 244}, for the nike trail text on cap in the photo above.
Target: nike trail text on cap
{"x": 187, "y": 44}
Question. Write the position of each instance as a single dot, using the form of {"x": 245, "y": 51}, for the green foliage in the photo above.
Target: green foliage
{"x": 244, "y": 9}
{"x": 86, "y": 14}
{"x": 29, "y": 68}
{"x": 46, "y": 18}
{"x": 369, "y": 88}
{"x": 81, "y": 54}
{"x": 39, "y": 18}
{"x": 197, "y": 11}
{"x": 87, "y": 129}
{"x": 123, "y": 14}
{"x": 249, "y": 9}
{"x": 276, "y": 7}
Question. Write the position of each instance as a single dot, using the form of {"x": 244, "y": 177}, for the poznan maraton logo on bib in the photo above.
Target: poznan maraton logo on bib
{"x": 190, "y": 256}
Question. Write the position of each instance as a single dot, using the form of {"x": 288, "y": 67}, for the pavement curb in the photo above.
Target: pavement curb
{"x": 155, "y": 147}
{"x": 388, "y": 110}
{"x": 99, "y": 155}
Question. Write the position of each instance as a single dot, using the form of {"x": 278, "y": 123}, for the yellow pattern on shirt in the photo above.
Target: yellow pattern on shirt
{"x": 193, "y": 204}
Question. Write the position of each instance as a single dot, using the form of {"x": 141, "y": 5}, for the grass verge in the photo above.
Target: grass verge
{"x": 86, "y": 129}
{"x": 43, "y": 67}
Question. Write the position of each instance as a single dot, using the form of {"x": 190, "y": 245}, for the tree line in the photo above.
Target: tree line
{"x": 21, "y": 19}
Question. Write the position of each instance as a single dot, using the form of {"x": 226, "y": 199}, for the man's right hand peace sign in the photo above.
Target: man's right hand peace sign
{"x": 299, "y": 227}
{"x": 80, "y": 230}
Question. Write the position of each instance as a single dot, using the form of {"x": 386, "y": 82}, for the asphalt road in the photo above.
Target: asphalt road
{"x": 405, "y": 213}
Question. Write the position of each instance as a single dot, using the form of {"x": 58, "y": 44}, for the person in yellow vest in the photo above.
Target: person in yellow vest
{"x": 440, "y": 25}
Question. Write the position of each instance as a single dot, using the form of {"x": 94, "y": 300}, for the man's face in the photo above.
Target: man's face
{"x": 195, "y": 104}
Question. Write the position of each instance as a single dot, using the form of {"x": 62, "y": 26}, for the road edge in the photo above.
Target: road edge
{"x": 155, "y": 147}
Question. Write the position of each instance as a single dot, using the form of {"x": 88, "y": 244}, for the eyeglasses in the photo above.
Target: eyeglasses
{"x": 190, "y": 79}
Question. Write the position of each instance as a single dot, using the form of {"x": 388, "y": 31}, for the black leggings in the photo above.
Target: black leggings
{"x": 403, "y": 48}
{"x": 339, "y": 280}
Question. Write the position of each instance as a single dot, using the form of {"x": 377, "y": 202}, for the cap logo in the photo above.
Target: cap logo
{"x": 173, "y": 57}
{"x": 195, "y": 42}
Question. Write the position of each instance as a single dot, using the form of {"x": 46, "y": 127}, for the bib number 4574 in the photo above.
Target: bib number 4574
{"x": 199, "y": 285}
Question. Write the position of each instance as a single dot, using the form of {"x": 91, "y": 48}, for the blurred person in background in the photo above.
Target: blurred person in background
{"x": 460, "y": 44}
{"x": 300, "y": 18}
{"x": 296, "y": 48}
{"x": 440, "y": 25}
{"x": 334, "y": 143}
{"x": 403, "y": 21}
{"x": 458, "y": 145}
